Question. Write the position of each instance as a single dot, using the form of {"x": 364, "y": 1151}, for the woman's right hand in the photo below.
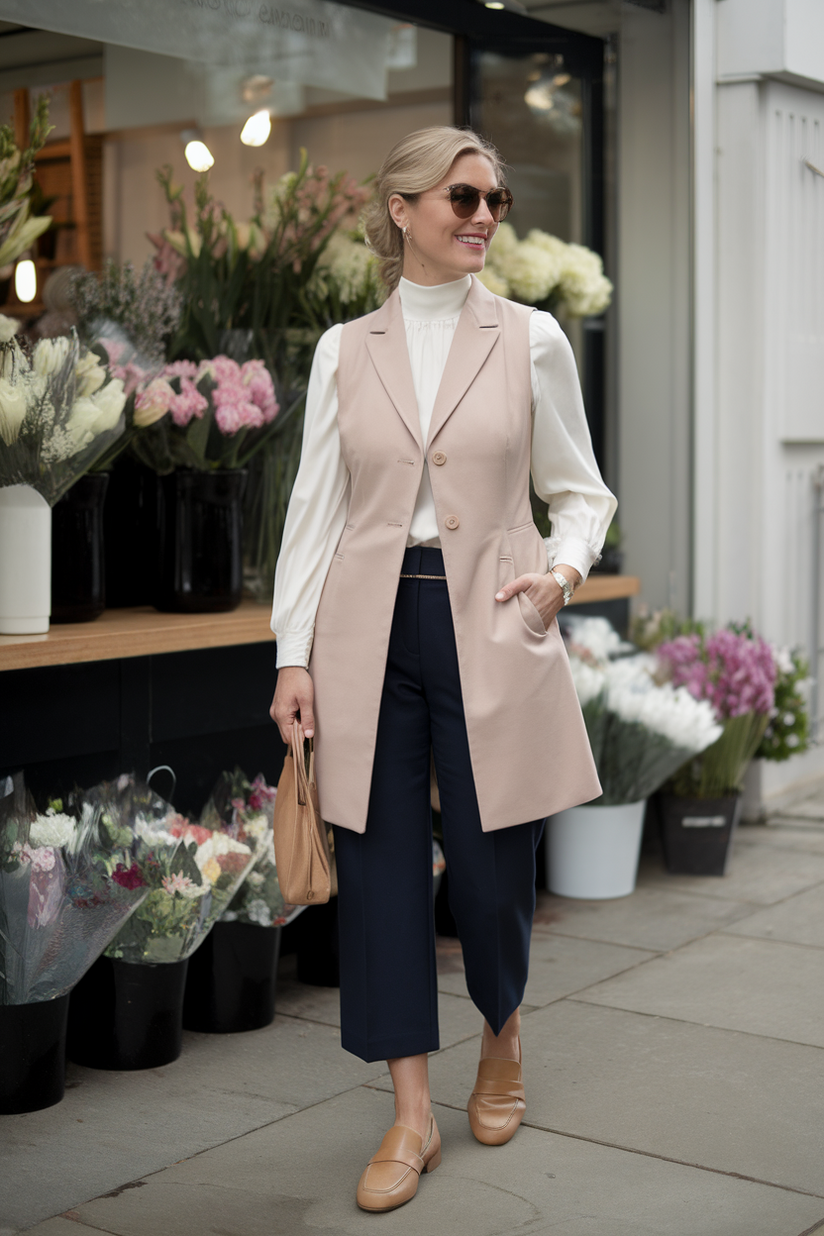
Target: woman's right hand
{"x": 294, "y": 697}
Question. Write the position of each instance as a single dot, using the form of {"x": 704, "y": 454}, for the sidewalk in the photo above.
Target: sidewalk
{"x": 674, "y": 1066}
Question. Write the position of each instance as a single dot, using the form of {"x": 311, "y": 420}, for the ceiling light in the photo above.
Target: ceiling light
{"x": 198, "y": 156}
{"x": 494, "y": 4}
{"x": 25, "y": 280}
{"x": 257, "y": 128}
{"x": 514, "y": 6}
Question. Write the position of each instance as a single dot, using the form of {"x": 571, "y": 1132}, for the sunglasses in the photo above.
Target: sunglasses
{"x": 465, "y": 200}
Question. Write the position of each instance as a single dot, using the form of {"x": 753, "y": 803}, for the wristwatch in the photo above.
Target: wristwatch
{"x": 565, "y": 585}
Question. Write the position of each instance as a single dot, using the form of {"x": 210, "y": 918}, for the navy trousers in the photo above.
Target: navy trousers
{"x": 389, "y": 1002}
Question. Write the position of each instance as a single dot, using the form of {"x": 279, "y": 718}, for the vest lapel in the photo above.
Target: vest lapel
{"x": 386, "y": 345}
{"x": 476, "y": 334}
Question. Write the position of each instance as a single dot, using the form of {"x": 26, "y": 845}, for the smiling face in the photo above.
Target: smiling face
{"x": 441, "y": 247}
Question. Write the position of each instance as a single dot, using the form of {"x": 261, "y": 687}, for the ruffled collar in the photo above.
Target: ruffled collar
{"x": 433, "y": 304}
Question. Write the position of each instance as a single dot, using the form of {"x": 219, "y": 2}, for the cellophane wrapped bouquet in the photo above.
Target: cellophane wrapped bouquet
{"x": 640, "y": 729}
{"x": 190, "y": 872}
{"x": 60, "y": 411}
{"x": 66, "y": 888}
{"x": 247, "y": 808}
{"x": 734, "y": 671}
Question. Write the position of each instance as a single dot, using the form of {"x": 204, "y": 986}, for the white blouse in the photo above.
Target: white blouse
{"x": 564, "y": 471}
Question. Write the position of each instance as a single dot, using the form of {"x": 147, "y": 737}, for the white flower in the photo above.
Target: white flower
{"x": 634, "y": 695}
{"x": 217, "y": 845}
{"x": 531, "y": 271}
{"x": 50, "y": 355}
{"x": 53, "y": 828}
{"x": 494, "y": 281}
{"x": 584, "y": 287}
{"x": 8, "y": 328}
{"x": 783, "y": 659}
{"x": 110, "y": 402}
{"x": 589, "y": 682}
{"x": 13, "y": 408}
{"x": 598, "y": 636}
{"x": 153, "y": 834}
{"x": 90, "y": 374}
{"x": 259, "y": 913}
{"x": 255, "y": 879}
{"x": 153, "y": 403}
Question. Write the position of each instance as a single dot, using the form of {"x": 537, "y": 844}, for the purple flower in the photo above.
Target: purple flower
{"x": 128, "y": 877}
{"x": 734, "y": 670}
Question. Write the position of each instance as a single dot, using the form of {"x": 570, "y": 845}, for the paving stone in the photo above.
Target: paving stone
{"x": 559, "y": 965}
{"x": 748, "y": 877}
{"x": 300, "y": 1175}
{"x": 116, "y": 1127}
{"x": 757, "y": 986}
{"x": 810, "y": 808}
{"x": 798, "y": 920}
{"x": 784, "y": 835}
{"x": 654, "y": 918}
{"x": 731, "y": 1101}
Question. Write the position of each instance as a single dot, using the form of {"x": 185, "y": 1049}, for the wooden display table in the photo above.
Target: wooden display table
{"x": 135, "y": 633}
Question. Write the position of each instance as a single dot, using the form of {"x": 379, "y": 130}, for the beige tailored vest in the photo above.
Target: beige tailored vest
{"x": 527, "y": 740}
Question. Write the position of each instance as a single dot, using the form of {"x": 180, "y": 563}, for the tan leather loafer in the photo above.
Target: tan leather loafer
{"x": 496, "y": 1106}
{"x": 391, "y": 1176}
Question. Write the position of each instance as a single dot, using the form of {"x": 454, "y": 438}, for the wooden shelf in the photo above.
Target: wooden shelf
{"x": 136, "y": 633}
{"x": 607, "y": 588}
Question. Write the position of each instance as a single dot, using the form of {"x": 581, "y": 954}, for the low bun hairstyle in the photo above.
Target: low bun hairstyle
{"x": 416, "y": 163}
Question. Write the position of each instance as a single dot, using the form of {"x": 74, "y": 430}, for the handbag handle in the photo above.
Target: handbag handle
{"x": 302, "y": 781}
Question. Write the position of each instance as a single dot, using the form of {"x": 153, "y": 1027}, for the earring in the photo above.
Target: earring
{"x": 405, "y": 230}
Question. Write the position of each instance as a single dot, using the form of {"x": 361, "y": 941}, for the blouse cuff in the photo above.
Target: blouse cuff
{"x": 294, "y": 648}
{"x": 571, "y": 550}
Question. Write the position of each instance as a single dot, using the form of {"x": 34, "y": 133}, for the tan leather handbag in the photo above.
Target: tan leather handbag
{"x": 302, "y": 851}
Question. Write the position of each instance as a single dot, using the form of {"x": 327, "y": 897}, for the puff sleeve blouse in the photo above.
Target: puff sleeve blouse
{"x": 564, "y": 471}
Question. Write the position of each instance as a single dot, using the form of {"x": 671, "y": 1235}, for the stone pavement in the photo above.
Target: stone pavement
{"x": 674, "y": 1066}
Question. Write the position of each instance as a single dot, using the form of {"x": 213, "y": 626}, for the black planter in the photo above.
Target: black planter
{"x": 232, "y": 979}
{"x": 78, "y": 580}
{"x": 130, "y": 534}
{"x": 127, "y": 1016}
{"x": 200, "y": 549}
{"x": 696, "y": 833}
{"x": 32, "y": 1055}
{"x": 313, "y": 938}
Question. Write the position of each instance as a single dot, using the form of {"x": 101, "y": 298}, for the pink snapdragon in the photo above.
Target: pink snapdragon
{"x": 735, "y": 671}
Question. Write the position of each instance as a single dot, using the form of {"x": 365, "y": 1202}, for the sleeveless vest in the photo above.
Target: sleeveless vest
{"x": 528, "y": 744}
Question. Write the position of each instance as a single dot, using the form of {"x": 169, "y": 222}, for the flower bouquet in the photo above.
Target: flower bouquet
{"x": 640, "y": 732}
{"x": 60, "y": 410}
{"x": 18, "y": 231}
{"x": 232, "y": 979}
{"x": 65, "y": 890}
{"x": 127, "y": 1012}
{"x": 544, "y": 271}
{"x": 735, "y": 671}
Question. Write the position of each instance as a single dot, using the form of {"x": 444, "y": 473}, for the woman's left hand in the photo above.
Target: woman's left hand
{"x": 544, "y": 591}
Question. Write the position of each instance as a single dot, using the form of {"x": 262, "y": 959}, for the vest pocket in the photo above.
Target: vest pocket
{"x": 531, "y": 616}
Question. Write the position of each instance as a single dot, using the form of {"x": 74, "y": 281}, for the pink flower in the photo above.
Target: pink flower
{"x": 180, "y": 369}
{"x": 188, "y": 404}
{"x": 177, "y": 883}
{"x": 260, "y": 389}
{"x": 734, "y": 670}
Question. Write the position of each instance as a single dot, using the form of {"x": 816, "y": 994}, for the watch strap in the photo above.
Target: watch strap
{"x": 564, "y": 584}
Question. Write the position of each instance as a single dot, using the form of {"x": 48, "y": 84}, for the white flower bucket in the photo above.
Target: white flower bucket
{"x": 25, "y": 561}
{"x": 592, "y": 852}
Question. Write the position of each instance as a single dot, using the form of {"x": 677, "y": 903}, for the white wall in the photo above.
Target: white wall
{"x": 783, "y": 38}
{"x": 770, "y": 369}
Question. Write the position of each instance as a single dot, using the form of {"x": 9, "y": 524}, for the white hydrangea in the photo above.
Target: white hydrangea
{"x": 494, "y": 281}
{"x": 532, "y": 272}
{"x": 54, "y": 828}
{"x": 153, "y": 833}
{"x": 584, "y": 287}
{"x": 348, "y": 264}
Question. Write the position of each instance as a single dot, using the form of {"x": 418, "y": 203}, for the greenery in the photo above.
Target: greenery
{"x": 18, "y": 230}
{"x": 788, "y": 729}
{"x": 719, "y": 771}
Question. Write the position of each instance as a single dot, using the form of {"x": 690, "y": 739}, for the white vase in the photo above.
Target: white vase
{"x": 25, "y": 561}
{"x": 592, "y": 852}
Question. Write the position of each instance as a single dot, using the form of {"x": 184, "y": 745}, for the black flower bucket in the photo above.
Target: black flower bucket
{"x": 200, "y": 550}
{"x": 78, "y": 558}
{"x": 32, "y": 1055}
{"x": 232, "y": 981}
{"x": 127, "y": 1016}
{"x": 696, "y": 833}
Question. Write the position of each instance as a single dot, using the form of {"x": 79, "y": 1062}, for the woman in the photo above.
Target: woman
{"x": 415, "y": 607}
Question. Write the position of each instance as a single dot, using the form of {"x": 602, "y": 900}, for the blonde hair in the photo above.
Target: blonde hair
{"x": 416, "y": 163}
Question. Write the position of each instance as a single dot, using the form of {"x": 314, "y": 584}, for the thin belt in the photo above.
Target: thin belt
{"x": 423, "y": 562}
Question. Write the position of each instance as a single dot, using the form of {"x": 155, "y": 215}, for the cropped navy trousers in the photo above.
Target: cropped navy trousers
{"x": 389, "y": 1000}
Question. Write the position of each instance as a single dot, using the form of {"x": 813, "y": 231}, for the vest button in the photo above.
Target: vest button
{"x": 439, "y": 458}
{"x": 452, "y": 522}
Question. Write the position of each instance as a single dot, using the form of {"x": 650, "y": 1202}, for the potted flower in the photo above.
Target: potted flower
{"x": 640, "y": 731}
{"x": 66, "y": 888}
{"x": 60, "y": 410}
{"x": 735, "y": 671}
{"x": 127, "y": 1012}
{"x": 232, "y": 979}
